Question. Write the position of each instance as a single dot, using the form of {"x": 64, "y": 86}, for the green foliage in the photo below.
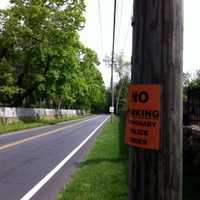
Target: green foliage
{"x": 7, "y": 81}
{"x": 195, "y": 82}
{"x": 190, "y": 83}
{"x": 94, "y": 89}
{"x": 121, "y": 96}
{"x": 42, "y": 59}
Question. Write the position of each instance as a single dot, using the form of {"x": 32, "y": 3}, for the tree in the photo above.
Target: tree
{"x": 39, "y": 41}
{"x": 121, "y": 96}
{"x": 42, "y": 61}
{"x": 7, "y": 81}
{"x": 122, "y": 68}
{"x": 90, "y": 87}
{"x": 194, "y": 83}
{"x": 190, "y": 83}
{"x": 186, "y": 79}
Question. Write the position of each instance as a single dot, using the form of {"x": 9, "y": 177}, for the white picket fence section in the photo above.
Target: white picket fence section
{"x": 17, "y": 113}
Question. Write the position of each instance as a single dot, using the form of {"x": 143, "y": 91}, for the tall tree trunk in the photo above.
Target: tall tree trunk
{"x": 157, "y": 59}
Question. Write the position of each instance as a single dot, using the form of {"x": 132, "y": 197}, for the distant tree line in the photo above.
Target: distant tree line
{"x": 190, "y": 83}
{"x": 42, "y": 61}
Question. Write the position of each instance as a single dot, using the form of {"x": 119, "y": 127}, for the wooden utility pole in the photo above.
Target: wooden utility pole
{"x": 157, "y": 59}
{"x": 113, "y": 54}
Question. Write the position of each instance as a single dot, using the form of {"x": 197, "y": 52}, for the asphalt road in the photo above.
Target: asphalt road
{"x": 35, "y": 164}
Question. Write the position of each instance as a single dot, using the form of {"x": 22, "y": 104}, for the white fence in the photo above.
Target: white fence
{"x": 35, "y": 113}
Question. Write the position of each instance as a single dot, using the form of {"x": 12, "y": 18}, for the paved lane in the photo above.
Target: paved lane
{"x": 27, "y": 157}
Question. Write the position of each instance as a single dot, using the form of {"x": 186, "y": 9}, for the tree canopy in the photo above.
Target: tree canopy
{"x": 191, "y": 82}
{"x": 123, "y": 70}
{"x": 42, "y": 60}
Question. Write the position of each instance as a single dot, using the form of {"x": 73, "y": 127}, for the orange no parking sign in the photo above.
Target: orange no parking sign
{"x": 143, "y": 116}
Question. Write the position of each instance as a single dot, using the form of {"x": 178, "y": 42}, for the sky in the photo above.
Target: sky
{"x": 97, "y": 33}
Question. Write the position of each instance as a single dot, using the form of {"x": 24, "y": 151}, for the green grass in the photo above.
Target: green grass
{"x": 20, "y": 125}
{"x": 103, "y": 174}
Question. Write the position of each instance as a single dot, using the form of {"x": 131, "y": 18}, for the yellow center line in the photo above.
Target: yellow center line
{"x": 2, "y": 147}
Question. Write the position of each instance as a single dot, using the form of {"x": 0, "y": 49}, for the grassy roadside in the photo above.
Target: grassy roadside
{"x": 103, "y": 174}
{"x": 21, "y": 125}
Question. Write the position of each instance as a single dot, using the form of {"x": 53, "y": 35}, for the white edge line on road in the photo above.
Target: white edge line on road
{"x": 39, "y": 185}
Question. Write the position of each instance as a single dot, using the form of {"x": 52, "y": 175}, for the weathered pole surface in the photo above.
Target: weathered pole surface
{"x": 157, "y": 59}
{"x": 113, "y": 55}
